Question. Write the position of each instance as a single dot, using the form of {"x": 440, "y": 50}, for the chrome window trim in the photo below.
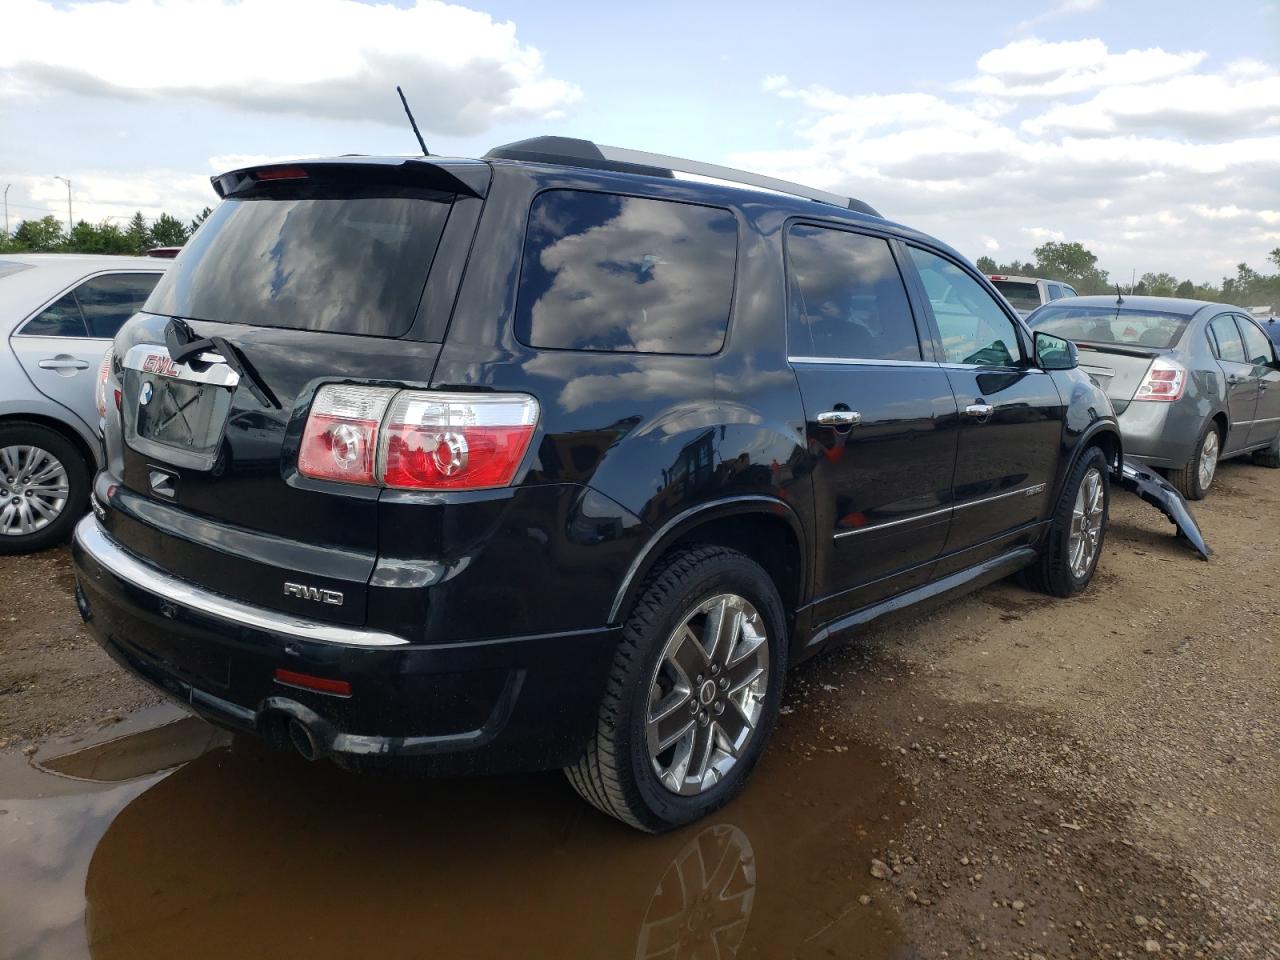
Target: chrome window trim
{"x": 856, "y": 362}
{"x": 218, "y": 373}
{"x": 1031, "y": 491}
{"x": 93, "y": 539}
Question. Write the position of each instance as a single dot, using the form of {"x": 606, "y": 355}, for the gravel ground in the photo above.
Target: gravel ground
{"x": 1096, "y": 777}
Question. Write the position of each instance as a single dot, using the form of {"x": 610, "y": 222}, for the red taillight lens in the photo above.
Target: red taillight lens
{"x": 340, "y": 441}
{"x": 416, "y": 440}
{"x": 455, "y": 441}
{"x": 104, "y": 374}
{"x": 1165, "y": 380}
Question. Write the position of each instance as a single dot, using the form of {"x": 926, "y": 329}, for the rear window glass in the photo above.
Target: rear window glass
{"x": 1139, "y": 328}
{"x": 608, "y": 272}
{"x": 1023, "y": 296}
{"x": 60, "y": 319}
{"x": 337, "y": 264}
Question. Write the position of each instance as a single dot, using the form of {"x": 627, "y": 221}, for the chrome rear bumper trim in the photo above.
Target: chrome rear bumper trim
{"x": 93, "y": 540}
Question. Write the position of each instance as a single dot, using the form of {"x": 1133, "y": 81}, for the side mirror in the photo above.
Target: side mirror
{"x": 1054, "y": 353}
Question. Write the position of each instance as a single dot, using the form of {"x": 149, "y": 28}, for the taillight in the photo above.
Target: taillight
{"x": 340, "y": 441}
{"x": 104, "y": 374}
{"x": 416, "y": 440}
{"x": 455, "y": 441}
{"x": 1165, "y": 380}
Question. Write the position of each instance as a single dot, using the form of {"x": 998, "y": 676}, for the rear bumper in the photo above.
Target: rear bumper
{"x": 513, "y": 703}
{"x": 1160, "y": 434}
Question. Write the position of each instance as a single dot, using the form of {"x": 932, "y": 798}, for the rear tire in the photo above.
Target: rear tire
{"x": 1270, "y": 457}
{"x": 1194, "y": 478}
{"x": 1061, "y": 570}
{"x": 626, "y": 772}
{"x": 44, "y": 487}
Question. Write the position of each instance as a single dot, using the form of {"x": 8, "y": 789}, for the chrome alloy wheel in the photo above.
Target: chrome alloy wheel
{"x": 33, "y": 489}
{"x": 707, "y": 694}
{"x": 1086, "y": 523}
{"x": 1208, "y": 465}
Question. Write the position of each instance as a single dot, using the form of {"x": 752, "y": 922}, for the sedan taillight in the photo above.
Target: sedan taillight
{"x": 104, "y": 376}
{"x": 1165, "y": 380}
{"x": 415, "y": 439}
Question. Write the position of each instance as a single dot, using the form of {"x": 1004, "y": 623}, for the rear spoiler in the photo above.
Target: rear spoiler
{"x": 467, "y": 177}
{"x": 1123, "y": 349}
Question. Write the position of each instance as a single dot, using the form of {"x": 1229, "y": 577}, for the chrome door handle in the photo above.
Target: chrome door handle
{"x": 839, "y": 418}
{"x": 979, "y": 410}
{"x": 1233, "y": 380}
{"x": 60, "y": 363}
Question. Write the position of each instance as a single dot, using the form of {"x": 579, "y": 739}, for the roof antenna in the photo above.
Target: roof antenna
{"x": 1119, "y": 295}
{"x": 413, "y": 123}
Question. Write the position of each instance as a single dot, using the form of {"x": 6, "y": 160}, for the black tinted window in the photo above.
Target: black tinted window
{"x": 1256, "y": 345}
{"x": 1023, "y": 296}
{"x": 846, "y": 297}
{"x": 61, "y": 319}
{"x": 607, "y": 272}
{"x": 974, "y": 329}
{"x": 108, "y": 301}
{"x": 1226, "y": 339}
{"x": 339, "y": 264}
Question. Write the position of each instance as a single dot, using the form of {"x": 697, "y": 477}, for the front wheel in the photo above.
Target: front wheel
{"x": 1077, "y": 530}
{"x": 693, "y": 694}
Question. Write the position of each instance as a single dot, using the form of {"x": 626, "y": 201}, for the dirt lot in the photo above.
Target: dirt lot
{"x": 1095, "y": 777}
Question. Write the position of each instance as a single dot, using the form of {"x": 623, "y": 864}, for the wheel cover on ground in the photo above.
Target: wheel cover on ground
{"x": 1208, "y": 465}
{"x": 1086, "y": 523}
{"x": 706, "y": 696}
{"x": 33, "y": 489}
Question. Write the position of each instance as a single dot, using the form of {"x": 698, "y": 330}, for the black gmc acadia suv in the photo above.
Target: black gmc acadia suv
{"x": 556, "y": 459}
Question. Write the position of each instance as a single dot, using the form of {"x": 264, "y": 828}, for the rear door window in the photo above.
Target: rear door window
{"x": 1226, "y": 340}
{"x": 335, "y": 262}
{"x": 608, "y": 272}
{"x": 108, "y": 301}
{"x": 1256, "y": 344}
{"x": 846, "y": 299}
{"x": 62, "y": 318}
{"x": 973, "y": 327}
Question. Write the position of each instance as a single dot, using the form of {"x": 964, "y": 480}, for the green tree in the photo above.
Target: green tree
{"x": 198, "y": 219}
{"x": 987, "y": 265}
{"x": 1186, "y": 290}
{"x": 137, "y": 234}
{"x": 1070, "y": 261}
{"x": 168, "y": 231}
{"x": 103, "y": 237}
{"x": 1160, "y": 284}
{"x": 1274, "y": 256}
{"x": 39, "y": 236}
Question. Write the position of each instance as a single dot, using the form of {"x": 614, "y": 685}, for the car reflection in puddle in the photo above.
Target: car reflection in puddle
{"x": 243, "y": 852}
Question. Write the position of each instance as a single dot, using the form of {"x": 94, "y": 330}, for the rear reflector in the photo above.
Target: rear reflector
{"x": 340, "y": 688}
{"x": 280, "y": 173}
{"x": 1165, "y": 380}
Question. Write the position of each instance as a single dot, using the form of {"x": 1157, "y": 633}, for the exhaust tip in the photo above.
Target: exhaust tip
{"x": 302, "y": 740}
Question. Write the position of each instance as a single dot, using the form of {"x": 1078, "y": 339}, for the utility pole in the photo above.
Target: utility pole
{"x": 6, "y": 208}
{"x": 68, "y": 183}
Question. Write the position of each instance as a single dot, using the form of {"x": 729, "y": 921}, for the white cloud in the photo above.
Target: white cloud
{"x": 334, "y": 59}
{"x": 1040, "y": 69}
{"x": 1064, "y": 8}
{"x": 1179, "y": 171}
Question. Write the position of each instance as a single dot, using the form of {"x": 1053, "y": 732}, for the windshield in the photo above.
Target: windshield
{"x": 340, "y": 264}
{"x": 1141, "y": 328}
{"x": 1023, "y": 296}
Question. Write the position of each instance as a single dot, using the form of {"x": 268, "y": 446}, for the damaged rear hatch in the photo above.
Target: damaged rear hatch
{"x": 306, "y": 274}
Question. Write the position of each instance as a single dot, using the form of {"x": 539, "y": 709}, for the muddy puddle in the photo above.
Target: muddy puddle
{"x": 167, "y": 838}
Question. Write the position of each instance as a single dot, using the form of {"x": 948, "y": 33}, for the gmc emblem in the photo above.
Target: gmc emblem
{"x": 303, "y": 592}
{"x": 165, "y": 367}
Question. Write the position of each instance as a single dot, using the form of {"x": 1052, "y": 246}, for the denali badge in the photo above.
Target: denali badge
{"x": 303, "y": 592}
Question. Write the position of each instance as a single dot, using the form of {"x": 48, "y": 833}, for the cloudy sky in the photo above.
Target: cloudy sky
{"x": 1150, "y": 131}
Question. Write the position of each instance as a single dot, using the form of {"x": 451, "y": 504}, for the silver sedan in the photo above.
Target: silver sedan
{"x": 58, "y": 313}
{"x": 1192, "y": 383}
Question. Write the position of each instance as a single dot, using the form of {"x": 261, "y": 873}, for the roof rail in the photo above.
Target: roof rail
{"x": 574, "y": 152}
